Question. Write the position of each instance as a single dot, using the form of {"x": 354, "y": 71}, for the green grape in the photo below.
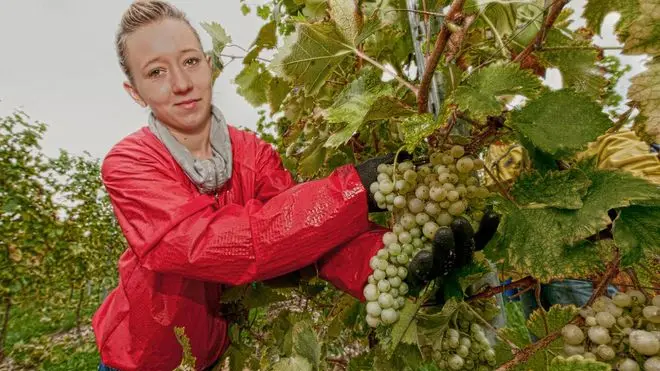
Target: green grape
{"x": 571, "y": 350}
{"x": 652, "y": 364}
{"x": 478, "y": 164}
{"x": 389, "y": 316}
{"x": 457, "y": 151}
{"x": 432, "y": 208}
{"x": 453, "y": 196}
{"x": 444, "y": 219}
{"x": 382, "y": 177}
{"x": 429, "y": 229}
{"x": 408, "y": 221}
{"x": 455, "y": 362}
{"x": 415, "y": 232}
{"x": 605, "y": 352}
{"x": 405, "y": 166}
{"x": 371, "y": 279}
{"x": 417, "y": 243}
{"x": 408, "y": 249}
{"x": 373, "y": 321}
{"x": 402, "y": 259}
{"x": 462, "y": 351}
{"x": 401, "y": 185}
{"x": 572, "y": 334}
{"x": 373, "y": 308}
{"x": 652, "y": 314}
{"x": 395, "y": 281}
{"x": 394, "y": 249}
{"x": 371, "y": 292}
{"x": 410, "y": 176}
{"x": 589, "y": 355}
{"x": 379, "y": 274}
{"x": 437, "y": 193}
{"x": 385, "y": 300}
{"x": 464, "y": 165}
{"x": 599, "y": 335}
{"x": 401, "y": 300}
{"x": 591, "y": 321}
{"x": 390, "y": 198}
{"x": 403, "y": 289}
{"x": 386, "y": 187}
{"x": 374, "y": 187}
{"x": 391, "y": 270}
{"x": 383, "y": 254}
{"x": 383, "y": 285}
{"x": 382, "y": 168}
{"x": 644, "y": 342}
{"x": 461, "y": 189}
{"x": 379, "y": 197}
{"x": 395, "y": 294}
{"x": 627, "y": 364}
{"x": 389, "y": 238}
{"x": 457, "y": 208}
{"x": 422, "y": 218}
{"x": 605, "y": 319}
{"x": 622, "y": 300}
{"x": 466, "y": 342}
{"x": 422, "y": 192}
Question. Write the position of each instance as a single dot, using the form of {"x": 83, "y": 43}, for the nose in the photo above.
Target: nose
{"x": 181, "y": 82}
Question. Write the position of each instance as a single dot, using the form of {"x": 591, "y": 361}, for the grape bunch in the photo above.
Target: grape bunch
{"x": 423, "y": 199}
{"x": 622, "y": 331}
{"x": 465, "y": 348}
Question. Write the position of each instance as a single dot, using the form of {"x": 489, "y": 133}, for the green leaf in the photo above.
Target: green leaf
{"x": 266, "y": 39}
{"x": 417, "y": 127}
{"x": 252, "y": 82}
{"x": 348, "y": 21}
{"x": 364, "y": 99}
{"x": 560, "y": 363}
{"x": 363, "y": 362}
{"x": 560, "y": 189}
{"x": 295, "y": 363}
{"x": 218, "y": 35}
{"x": 557, "y": 317}
{"x": 577, "y": 66}
{"x": 238, "y": 356}
{"x": 481, "y": 94}
{"x": 278, "y": 89}
{"x": 306, "y": 344}
{"x": 596, "y": 10}
{"x": 431, "y": 327}
{"x": 310, "y": 55}
{"x": 644, "y": 90}
{"x": 552, "y": 236}
{"x": 644, "y": 31}
{"x": 315, "y": 9}
{"x": 405, "y": 329}
{"x": 637, "y": 233}
{"x": 561, "y": 122}
{"x": 245, "y": 9}
{"x": 516, "y": 331}
{"x": 312, "y": 159}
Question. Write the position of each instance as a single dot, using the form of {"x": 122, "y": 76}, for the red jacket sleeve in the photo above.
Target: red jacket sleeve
{"x": 347, "y": 267}
{"x": 172, "y": 231}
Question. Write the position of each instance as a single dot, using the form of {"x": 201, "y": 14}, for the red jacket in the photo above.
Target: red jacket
{"x": 184, "y": 245}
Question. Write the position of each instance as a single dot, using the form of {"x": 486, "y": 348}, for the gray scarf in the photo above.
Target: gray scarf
{"x": 207, "y": 175}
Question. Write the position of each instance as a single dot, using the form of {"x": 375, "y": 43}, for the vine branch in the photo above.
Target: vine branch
{"x": 537, "y": 43}
{"x": 434, "y": 58}
{"x": 521, "y": 283}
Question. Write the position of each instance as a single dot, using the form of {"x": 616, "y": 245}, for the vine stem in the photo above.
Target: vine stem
{"x": 398, "y": 78}
{"x": 503, "y": 190}
{"x": 434, "y": 58}
{"x": 522, "y": 356}
{"x": 521, "y": 283}
{"x": 536, "y": 44}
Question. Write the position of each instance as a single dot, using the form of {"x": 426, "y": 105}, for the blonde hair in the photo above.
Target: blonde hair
{"x": 142, "y": 13}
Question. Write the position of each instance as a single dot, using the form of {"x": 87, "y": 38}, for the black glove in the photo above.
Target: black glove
{"x": 453, "y": 247}
{"x": 368, "y": 171}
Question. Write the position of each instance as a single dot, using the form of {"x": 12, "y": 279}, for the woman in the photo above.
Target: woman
{"x": 203, "y": 204}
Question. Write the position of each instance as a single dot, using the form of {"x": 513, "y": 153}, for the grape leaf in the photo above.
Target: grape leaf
{"x": 312, "y": 158}
{"x": 560, "y": 189}
{"x": 348, "y": 21}
{"x": 266, "y": 39}
{"x": 577, "y": 66}
{"x": 363, "y": 362}
{"x": 278, "y": 89}
{"x": 306, "y": 344}
{"x": 238, "y": 356}
{"x": 560, "y": 122}
{"x": 431, "y": 327}
{"x": 481, "y": 92}
{"x": 637, "y": 233}
{"x": 515, "y": 331}
{"x": 646, "y": 92}
{"x": 405, "y": 329}
{"x": 644, "y": 31}
{"x": 553, "y": 236}
{"x": 250, "y": 83}
{"x": 417, "y": 127}
{"x": 557, "y": 317}
{"x": 364, "y": 99}
{"x": 314, "y": 10}
{"x": 596, "y": 10}
{"x": 295, "y": 363}
{"x": 310, "y": 54}
{"x": 218, "y": 35}
{"x": 560, "y": 363}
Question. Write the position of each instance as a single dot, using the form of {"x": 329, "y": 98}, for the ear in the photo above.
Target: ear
{"x": 132, "y": 91}
{"x": 208, "y": 60}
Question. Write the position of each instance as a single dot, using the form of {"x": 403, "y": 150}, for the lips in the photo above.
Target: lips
{"x": 188, "y": 104}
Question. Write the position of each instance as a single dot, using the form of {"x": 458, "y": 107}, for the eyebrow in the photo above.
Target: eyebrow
{"x": 188, "y": 50}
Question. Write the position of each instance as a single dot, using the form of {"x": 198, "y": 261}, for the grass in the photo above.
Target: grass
{"x": 45, "y": 338}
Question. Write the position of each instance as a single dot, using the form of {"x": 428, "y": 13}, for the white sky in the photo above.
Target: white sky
{"x": 58, "y": 64}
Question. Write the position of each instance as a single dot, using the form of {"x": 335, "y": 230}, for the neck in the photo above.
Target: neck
{"x": 197, "y": 142}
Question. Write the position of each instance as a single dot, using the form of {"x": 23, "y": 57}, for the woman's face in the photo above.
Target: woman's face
{"x": 171, "y": 75}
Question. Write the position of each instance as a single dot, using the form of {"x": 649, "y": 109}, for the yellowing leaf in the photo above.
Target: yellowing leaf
{"x": 645, "y": 90}
{"x": 644, "y": 31}
{"x": 417, "y": 127}
{"x": 310, "y": 54}
{"x": 348, "y": 21}
{"x": 560, "y": 123}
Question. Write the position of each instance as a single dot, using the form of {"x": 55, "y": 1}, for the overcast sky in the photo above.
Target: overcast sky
{"x": 59, "y": 65}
